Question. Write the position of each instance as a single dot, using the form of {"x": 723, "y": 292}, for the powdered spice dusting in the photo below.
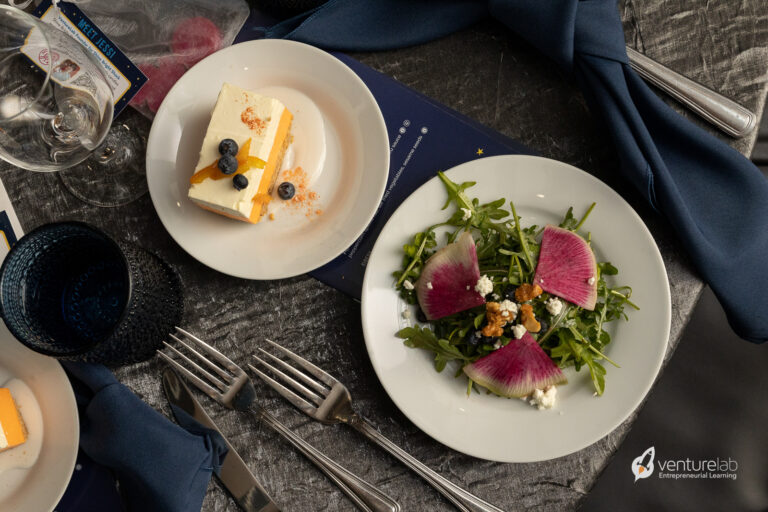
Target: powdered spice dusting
{"x": 304, "y": 199}
{"x": 254, "y": 122}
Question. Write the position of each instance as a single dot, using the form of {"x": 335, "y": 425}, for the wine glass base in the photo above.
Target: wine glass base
{"x": 114, "y": 175}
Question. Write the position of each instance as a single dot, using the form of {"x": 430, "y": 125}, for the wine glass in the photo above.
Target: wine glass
{"x": 56, "y": 108}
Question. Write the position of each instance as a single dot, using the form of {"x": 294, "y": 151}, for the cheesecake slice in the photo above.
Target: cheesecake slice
{"x": 260, "y": 126}
{"x": 12, "y": 430}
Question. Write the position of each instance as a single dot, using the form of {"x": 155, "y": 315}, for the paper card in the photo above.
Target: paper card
{"x": 10, "y": 229}
{"x": 124, "y": 78}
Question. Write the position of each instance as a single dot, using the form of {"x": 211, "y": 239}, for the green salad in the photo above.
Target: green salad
{"x": 507, "y": 255}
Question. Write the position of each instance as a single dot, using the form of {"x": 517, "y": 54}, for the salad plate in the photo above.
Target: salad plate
{"x": 348, "y": 188}
{"x": 510, "y": 430}
{"x": 35, "y": 475}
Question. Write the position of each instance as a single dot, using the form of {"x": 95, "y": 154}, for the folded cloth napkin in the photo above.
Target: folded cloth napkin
{"x": 715, "y": 199}
{"x": 159, "y": 466}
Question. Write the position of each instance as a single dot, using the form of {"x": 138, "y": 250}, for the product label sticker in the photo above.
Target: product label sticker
{"x": 123, "y": 77}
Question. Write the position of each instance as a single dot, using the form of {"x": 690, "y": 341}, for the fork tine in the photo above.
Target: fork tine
{"x": 218, "y": 356}
{"x": 308, "y": 393}
{"x": 283, "y": 391}
{"x": 314, "y": 370}
{"x": 194, "y": 379}
{"x": 296, "y": 373}
{"x": 197, "y": 367}
{"x": 224, "y": 375}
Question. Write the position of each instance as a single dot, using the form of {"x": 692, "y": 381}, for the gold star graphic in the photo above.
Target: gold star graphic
{"x": 479, "y": 151}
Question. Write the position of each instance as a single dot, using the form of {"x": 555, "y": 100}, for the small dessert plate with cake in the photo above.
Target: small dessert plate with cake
{"x": 267, "y": 159}
{"x": 39, "y": 428}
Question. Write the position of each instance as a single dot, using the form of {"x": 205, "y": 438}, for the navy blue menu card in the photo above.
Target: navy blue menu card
{"x": 424, "y": 137}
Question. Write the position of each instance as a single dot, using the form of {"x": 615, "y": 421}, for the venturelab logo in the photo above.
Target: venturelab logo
{"x": 642, "y": 466}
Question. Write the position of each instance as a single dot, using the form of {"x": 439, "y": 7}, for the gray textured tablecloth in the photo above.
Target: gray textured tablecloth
{"x": 497, "y": 79}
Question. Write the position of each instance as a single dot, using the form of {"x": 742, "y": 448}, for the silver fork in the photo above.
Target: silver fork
{"x": 232, "y": 388}
{"x": 324, "y": 398}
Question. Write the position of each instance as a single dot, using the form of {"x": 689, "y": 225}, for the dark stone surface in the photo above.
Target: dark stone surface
{"x": 502, "y": 82}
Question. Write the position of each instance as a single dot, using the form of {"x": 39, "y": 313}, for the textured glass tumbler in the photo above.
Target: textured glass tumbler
{"x": 70, "y": 291}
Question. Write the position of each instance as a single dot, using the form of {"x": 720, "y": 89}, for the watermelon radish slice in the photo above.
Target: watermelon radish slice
{"x": 517, "y": 369}
{"x": 567, "y": 267}
{"x": 447, "y": 282}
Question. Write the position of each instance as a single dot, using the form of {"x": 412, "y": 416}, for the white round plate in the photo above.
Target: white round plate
{"x": 488, "y": 426}
{"x": 349, "y": 189}
{"x": 41, "y": 486}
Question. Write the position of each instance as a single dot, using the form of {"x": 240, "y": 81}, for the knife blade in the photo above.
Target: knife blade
{"x": 234, "y": 474}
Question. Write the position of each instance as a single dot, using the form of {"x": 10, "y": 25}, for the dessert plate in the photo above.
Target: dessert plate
{"x": 348, "y": 190}
{"x": 488, "y": 426}
{"x": 53, "y": 429}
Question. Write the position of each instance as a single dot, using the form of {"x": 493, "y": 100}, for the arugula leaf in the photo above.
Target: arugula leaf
{"x": 569, "y": 221}
{"x": 456, "y": 193}
{"x": 424, "y": 338}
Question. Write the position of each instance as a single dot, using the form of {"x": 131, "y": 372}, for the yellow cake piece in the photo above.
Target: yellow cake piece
{"x": 261, "y": 128}
{"x": 12, "y": 430}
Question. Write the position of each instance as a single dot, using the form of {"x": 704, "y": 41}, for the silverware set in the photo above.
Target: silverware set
{"x": 314, "y": 392}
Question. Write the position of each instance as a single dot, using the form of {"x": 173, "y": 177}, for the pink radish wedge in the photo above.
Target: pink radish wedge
{"x": 447, "y": 282}
{"x": 567, "y": 267}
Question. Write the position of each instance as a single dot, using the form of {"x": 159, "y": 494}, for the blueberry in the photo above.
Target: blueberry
{"x": 228, "y": 147}
{"x": 420, "y": 316}
{"x": 227, "y": 164}
{"x": 240, "y": 182}
{"x": 472, "y": 338}
{"x": 544, "y": 325}
{"x": 286, "y": 190}
{"x": 489, "y": 340}
{"x": 510, "y": 293}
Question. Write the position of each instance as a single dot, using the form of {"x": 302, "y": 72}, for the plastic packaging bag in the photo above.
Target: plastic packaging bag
{"x": 166, "y": 38}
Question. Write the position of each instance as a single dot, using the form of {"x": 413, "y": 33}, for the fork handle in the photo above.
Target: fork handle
{"x": 366, "y": 496}
{"x": 461, "y": 498}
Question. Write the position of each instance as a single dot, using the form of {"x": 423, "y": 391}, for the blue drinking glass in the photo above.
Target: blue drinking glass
{"x": 70, "y": 291}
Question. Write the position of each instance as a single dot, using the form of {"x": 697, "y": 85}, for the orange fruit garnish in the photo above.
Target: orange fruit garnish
{"x": 244, "y": 163}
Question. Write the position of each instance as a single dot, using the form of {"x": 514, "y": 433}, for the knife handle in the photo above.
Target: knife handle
{"x": 367, "y": 497}
{"x": 720, "y": 111}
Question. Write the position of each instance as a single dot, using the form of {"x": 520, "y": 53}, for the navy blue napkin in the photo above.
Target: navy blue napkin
{"x": 160, "y": 466}
{"x": 715, "y": 199}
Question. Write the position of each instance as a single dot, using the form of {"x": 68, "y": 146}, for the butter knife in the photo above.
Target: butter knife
{"x": 732, "y": 118}
{"x": 235, "y": 475}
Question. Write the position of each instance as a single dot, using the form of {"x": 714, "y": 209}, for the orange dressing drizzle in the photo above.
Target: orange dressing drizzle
{"x": 244, "y": 163}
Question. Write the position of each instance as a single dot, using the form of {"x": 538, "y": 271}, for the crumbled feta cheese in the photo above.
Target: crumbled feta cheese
{"x": 467, "y": 287}
{"x": 544, "y": 398}
{"x": 508, "y": 306}
{"x": 484, "y": 285}
{"x": 478, "y": 334}
{"x": 496, "y": 296}
{"x": 518, "y": 330}
{"x": 554, "y": 305}
{"x": 429, "y": 285}
{"x": 407, "y": 285}
{"x": 407, "y": 314}
{"x": 505, "y": 314}
{"x": 505, "y": 280}
{"x": 591, "y": 280}
{"x": 497, "y": 345}
{"x": 467, "y": 213}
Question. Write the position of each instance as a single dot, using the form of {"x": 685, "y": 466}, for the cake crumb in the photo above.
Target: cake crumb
{"x": 304, "y": 199}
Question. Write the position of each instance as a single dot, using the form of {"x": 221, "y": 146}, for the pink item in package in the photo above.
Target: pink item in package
{"x": 194, "y": 39}
{"x": 164, "y": 39}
